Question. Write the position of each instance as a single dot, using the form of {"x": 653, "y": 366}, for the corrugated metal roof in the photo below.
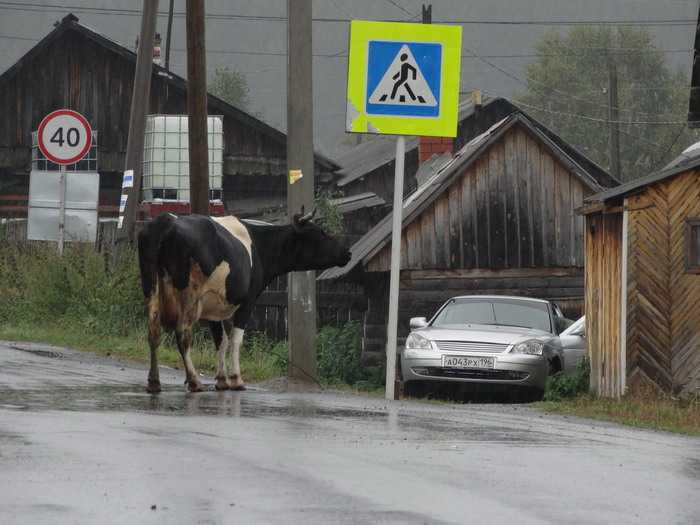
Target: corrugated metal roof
{"x": 357, "y": 202}
{"x": 444, "y": 170}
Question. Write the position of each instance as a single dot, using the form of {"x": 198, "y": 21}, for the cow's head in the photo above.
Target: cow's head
{"x": 314, "y": 249}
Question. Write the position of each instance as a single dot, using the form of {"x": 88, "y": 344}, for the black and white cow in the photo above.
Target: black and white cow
{"x": 214, "y": 268}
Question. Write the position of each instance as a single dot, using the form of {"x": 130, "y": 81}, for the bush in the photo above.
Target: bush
{"x": 79, "y": 290}
{"x": 338, "y": 351}
{"x": 561, "y": 386}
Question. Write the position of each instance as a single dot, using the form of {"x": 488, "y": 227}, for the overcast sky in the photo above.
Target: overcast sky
{"x": 257, "y": 47}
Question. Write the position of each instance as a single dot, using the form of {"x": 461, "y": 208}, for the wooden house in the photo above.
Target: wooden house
{"x": 94, "y": 75}
{"x": 643, "y": 282}
{"x": 497, "y": 217}
{"x": 369, "y": 166}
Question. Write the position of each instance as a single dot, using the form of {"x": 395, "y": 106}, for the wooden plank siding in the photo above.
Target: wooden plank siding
{"x": 512, "y": 208}
{"x": 603, "y": 301}
{"x": 662, "y": 317}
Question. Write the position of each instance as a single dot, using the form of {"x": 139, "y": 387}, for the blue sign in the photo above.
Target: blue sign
{"x": 403, "y": 78}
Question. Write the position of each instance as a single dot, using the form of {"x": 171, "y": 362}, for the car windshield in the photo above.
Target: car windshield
{"x": 506, "y": 312}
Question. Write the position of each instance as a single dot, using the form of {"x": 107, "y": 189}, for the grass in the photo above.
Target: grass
{"x": 643, "y": 409}
{"x": 87, "y": 301}
{"x": 260, "y": 359}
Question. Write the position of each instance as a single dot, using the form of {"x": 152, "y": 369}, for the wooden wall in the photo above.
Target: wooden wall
{"x": 663, "y": 314}
{"x": 512, "y": 208}
{"x": 603, "y": 301}
{"x": 662, "y": 337}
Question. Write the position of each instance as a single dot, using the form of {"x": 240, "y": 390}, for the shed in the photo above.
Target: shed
{"x": 94, "y": 75}
{"x": 498, "y": 217}
{"x": 643, "y": 282}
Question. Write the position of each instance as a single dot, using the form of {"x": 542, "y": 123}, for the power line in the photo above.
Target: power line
{"x": 37, "y": 7}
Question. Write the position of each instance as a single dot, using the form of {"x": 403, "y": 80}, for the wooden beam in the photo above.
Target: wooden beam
{"x": 197, "y": 107}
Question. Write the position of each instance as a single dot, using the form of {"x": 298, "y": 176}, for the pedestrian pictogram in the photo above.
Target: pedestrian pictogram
{"x": 403, "y": 84}
{"x": 403, "y": 79}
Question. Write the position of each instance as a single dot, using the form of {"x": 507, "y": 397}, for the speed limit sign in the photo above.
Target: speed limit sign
{"x": 64, "y": 136}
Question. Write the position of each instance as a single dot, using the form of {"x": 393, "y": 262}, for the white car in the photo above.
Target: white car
{"x": 488, "y": 339}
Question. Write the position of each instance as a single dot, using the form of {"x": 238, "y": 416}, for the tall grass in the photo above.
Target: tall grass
{"x": 84, "y": 301}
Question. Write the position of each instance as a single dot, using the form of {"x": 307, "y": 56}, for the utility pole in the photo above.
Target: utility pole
{"x": 301, "y": 300}
{"x": 169, "y": 35}
{"x": 137, "y": 117}
{"x": 197, "y": 107}
{"x": 613, "y": 119}
{"x": 427, "y": 11}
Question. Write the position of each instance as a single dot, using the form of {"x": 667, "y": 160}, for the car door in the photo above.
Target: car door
{"x": 573, "y": 341}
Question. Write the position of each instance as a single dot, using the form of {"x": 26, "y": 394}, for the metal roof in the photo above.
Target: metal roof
{"x": 70, "y": 23}
{"x": 357, "y": 202}
{"x": 444, "y": 171}
{"x": 678, "y": 166}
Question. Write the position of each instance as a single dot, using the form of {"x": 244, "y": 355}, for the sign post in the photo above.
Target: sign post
{"x": 403, "y": 79}
{"x": 64, "y": 137}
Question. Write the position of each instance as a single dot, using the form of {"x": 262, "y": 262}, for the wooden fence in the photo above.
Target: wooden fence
{"x": 337, "y": 303}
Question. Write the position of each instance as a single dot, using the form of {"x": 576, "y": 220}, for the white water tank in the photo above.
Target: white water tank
{"x": 166, "y": 169}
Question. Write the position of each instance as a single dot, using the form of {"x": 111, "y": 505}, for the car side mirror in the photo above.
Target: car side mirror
{"x": 418, "y": 322}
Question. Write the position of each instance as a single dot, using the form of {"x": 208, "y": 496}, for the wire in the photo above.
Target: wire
{"x": 525, "y": 83}
{"x": 37, "y": 7}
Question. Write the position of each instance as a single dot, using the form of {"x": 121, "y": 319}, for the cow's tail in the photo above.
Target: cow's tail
{"x": 149, "y": 241}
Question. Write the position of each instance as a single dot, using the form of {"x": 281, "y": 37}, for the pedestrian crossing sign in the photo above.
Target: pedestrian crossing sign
{"x": 403, "y": 79}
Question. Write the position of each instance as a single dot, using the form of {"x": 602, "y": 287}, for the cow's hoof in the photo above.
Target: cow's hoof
{"x": 195, "y": 387}
{"x": 240, "y": 386}
{"x": 153, "y": 387}
{"x": 222, "y": 384}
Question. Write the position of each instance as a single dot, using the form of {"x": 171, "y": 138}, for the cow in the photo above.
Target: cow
{"x": 196, "y": 268}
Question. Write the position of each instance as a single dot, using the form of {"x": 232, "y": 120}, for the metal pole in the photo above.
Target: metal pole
{"x": 197, "y": 107}
{"x": 62, "y": 210}
{"x": 397, "y": 220}
{"x": 137, "y": 118}
{"x": 613, "y": 117}
{"x": 301, "y": 299}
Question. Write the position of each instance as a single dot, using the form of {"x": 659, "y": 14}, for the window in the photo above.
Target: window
{"x": 692, "y": 244}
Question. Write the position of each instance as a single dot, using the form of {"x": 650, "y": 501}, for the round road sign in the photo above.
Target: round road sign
{"x": 64, "y": 136}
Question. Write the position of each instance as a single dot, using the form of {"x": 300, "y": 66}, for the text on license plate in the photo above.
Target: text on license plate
{"x": 466, "y": 361}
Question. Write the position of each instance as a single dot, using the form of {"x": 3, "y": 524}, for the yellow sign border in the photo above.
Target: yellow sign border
{"x": 445, "y": 124}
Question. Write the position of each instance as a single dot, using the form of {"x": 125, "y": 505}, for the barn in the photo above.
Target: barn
{"x": 643, "y": 282}
{"x": 94, "y": 75}
{"x": 495, "y": 217}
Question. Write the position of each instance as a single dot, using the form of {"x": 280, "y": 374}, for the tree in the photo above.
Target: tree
{"x": 567, "y": 89}
{"x": 231, "y": 86}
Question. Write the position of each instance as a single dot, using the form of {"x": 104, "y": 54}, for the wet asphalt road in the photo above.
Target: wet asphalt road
{"x": 81, "y": 442}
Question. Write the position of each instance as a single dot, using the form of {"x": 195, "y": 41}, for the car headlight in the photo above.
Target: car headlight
{"x": 417, "y": 342}
{"x": 529, "y": 347}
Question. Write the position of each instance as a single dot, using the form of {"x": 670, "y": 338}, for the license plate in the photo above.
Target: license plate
{"x": 467, "y": 361}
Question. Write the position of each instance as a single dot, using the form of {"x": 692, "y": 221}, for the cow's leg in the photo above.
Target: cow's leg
{"x": 154, "y": 331}
{"x": 235, "y": 347}
{"x": 183, "y": 336}
{"x": 221, "y": 342}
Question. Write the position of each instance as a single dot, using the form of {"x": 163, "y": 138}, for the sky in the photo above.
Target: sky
{"x": 251, "y": 36}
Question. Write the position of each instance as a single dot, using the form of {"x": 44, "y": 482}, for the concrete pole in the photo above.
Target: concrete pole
{"x": 169, "y": 35}
{"x": 137, "y": 117}
{"x": 301, "y": 301}
{"x": 397, "y": 219}
{"x": 197, "y": 108}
